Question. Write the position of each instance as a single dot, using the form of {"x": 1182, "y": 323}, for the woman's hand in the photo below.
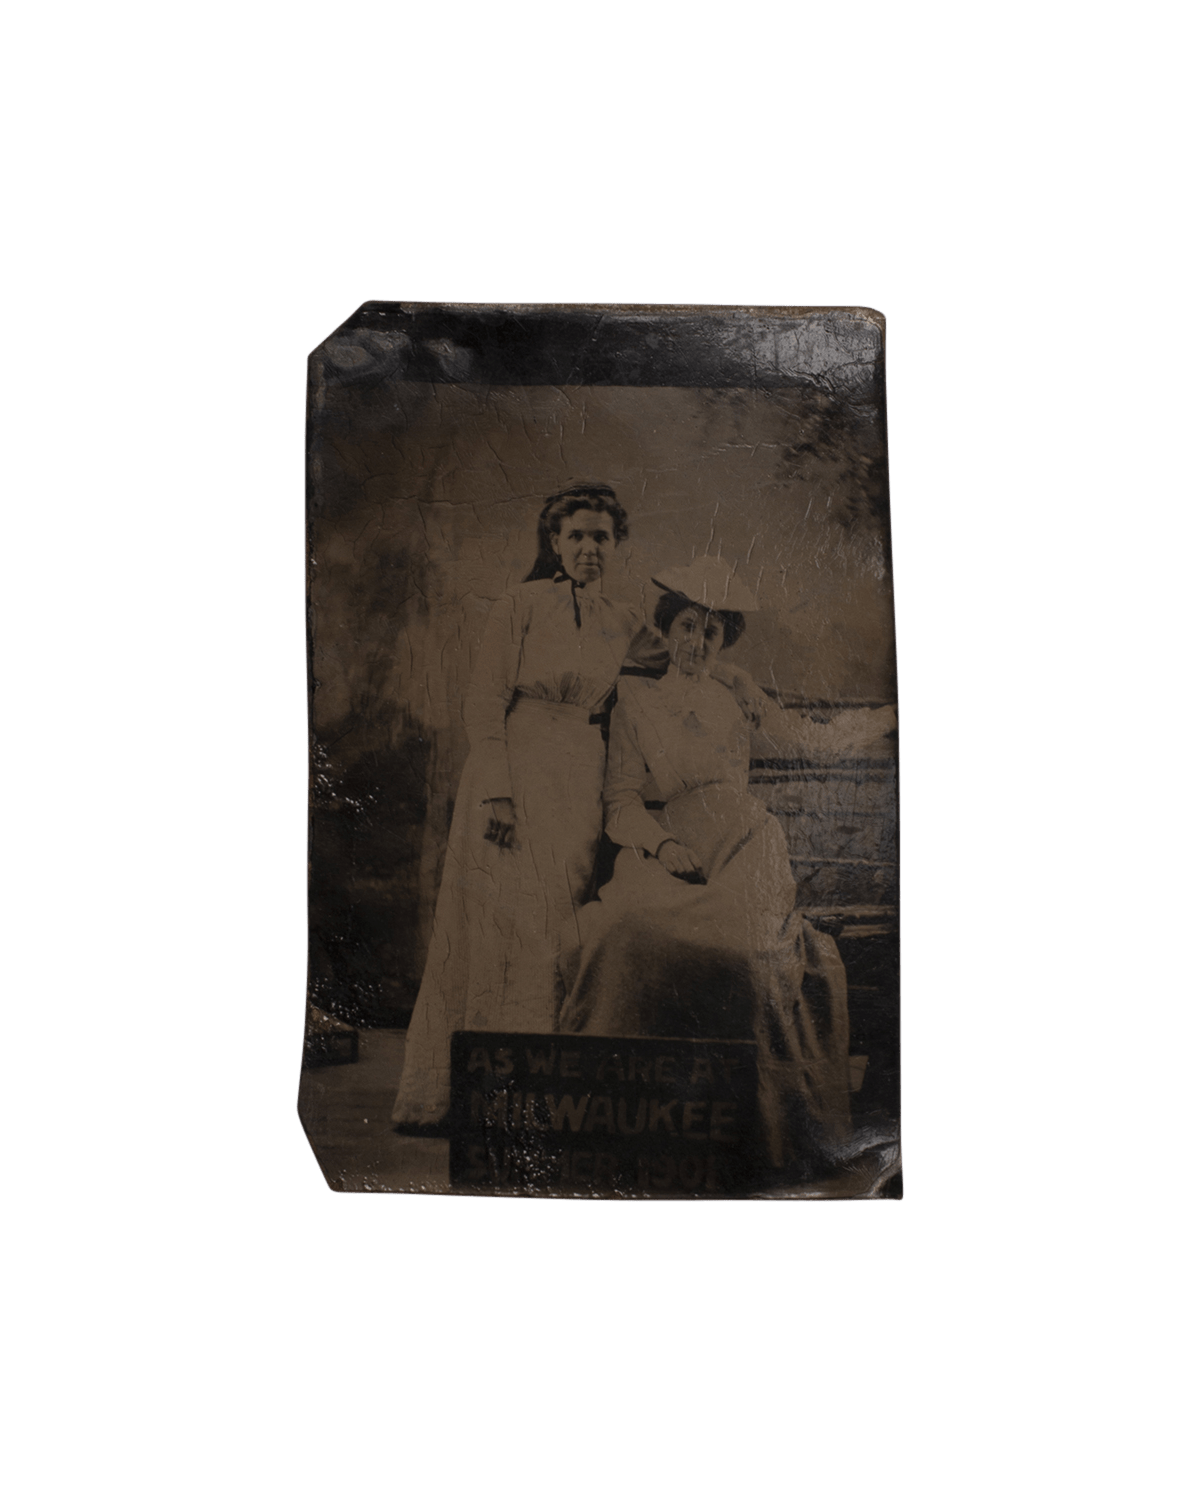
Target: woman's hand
{"x": 502, "y": 823}
{"x": 680, "y": 861}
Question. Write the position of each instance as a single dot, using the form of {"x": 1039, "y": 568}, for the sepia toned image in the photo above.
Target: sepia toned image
{"x": 604, "y": 880}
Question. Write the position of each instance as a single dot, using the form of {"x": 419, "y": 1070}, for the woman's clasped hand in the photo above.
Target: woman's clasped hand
{"x": 502, "y": 823}
{"x": 680, "y": 861}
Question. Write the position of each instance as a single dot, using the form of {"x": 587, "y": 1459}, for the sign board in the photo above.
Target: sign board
{"x": 604, "y": 1116}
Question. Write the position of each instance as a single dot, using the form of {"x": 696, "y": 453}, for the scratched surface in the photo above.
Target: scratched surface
{"x": 435, "y": 436}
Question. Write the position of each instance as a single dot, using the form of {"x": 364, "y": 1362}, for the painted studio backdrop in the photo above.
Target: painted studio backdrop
{"x": 747, "y": 451}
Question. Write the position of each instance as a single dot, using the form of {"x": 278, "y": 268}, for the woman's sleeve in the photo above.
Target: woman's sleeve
{"x": 782, "y": 734}
{"x": 752, "y": 701}
{"x": 647, "y": 655}
{"x": 626, "y": 820}
{"x": 493, "y": 681}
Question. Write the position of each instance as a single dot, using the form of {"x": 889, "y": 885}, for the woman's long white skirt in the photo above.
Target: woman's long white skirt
{"x": 492, "y": 962}
{"x": 731, "y": 958}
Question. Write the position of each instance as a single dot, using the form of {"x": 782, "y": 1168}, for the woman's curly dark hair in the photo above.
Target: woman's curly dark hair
{"x": 556, "y": 510}
{"x": 672, "y": 604}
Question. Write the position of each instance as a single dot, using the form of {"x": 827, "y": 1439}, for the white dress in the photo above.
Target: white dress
{"x": 657, "y": 956}
{"x": 549, "y": 658}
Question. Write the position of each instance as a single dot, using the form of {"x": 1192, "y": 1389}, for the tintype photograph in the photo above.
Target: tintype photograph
{"x": 603, "y": 822}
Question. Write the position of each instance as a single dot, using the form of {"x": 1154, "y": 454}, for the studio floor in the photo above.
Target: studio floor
{"x": 345, "y": 1110}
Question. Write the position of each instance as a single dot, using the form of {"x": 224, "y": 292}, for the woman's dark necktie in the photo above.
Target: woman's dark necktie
{"x": 561, "y": 577}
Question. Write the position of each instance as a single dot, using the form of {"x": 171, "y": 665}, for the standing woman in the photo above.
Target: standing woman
{"x": 527, "y": 818}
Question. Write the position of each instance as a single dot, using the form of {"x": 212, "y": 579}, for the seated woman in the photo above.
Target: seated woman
{"x": 697, "y": 934}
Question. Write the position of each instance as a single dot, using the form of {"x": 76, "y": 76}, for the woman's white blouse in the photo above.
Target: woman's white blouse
{"x": 686, "y": 732}
{"x": 533, "y": 647}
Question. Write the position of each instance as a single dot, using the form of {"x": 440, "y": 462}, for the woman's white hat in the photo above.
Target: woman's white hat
{"x": 709, "y": 581}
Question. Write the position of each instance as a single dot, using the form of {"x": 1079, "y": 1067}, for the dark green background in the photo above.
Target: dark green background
{"x": 200, "y": 197}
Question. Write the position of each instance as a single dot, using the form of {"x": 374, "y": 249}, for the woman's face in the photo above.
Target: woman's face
{"x": 695, "y": 637}
{"x": 584, "y": 544}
